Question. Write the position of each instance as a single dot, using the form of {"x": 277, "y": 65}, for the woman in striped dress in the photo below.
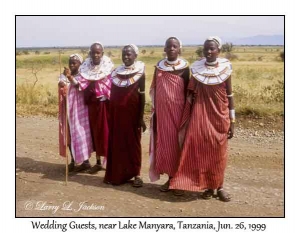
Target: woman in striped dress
{"x": 167, "y": 91}
{"x": 81, "y": 145}
{"x": 126, "y": 112}
{"x": 207, "y": 124}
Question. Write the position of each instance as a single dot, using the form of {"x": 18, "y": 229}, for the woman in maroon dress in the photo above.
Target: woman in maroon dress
{"x": 207, "y": 124}
{"x": 96, "y": 85}
{"x": 126, "y": 121}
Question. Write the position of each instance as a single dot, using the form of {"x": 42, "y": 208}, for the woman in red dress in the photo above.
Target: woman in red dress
{"x": 126, "y": 122}
{"x": 207, "y": 124}
{"x": 96, "y": 85}
{"x": 168, "y": 91}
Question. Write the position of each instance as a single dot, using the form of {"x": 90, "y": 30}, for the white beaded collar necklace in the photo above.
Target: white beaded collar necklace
{"x": 138, "y": 69}
{"x": 166, "y": 65}
{"x": 211, "y": 75}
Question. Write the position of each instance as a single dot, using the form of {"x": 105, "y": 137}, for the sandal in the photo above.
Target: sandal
{"x": 165, "y": 186}
{"x": 223, "y": 196}
{"x": 208, "y": 194}
{"x": 138, "y": 182}
{"x": 178, "y": 192}
{"x": 95, "y": 169}
{"x": 82, "y": 167}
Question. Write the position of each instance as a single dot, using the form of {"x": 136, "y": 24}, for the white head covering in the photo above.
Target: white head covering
{"x": 134, "y": 47}
{"x": 215, "y": 39}
{"x": 76, "y": 56}
{"x": 176, "y": 38}
{"x": 99, "y": 43}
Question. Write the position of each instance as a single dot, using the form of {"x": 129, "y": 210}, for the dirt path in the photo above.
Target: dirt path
{"x": 254, "y": 177}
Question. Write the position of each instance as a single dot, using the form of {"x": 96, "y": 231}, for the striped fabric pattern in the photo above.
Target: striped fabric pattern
{"x": 167, "y": 92}
{"x": 204, "y": 152}
{"x": 78, "y": 117}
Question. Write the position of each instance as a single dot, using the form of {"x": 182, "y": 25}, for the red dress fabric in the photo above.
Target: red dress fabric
{"x": 124, "y": 153}
{"x": 169, "y": 100}
{"x": 204, "y": 153}
{"x": 98, "y": 117}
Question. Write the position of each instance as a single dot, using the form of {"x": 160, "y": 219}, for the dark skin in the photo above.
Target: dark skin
{"x": 73, "y": 69}
{"x": 211, "y": 53}
{"x": 172, "y": 49}
{"x": 128, "y": 58}
{"x": 96, "y": 53}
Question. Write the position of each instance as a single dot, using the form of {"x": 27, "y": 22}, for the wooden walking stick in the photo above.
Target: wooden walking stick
{"x": 66, "y": 123}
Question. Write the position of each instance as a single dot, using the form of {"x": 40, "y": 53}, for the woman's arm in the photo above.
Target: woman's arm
{"x": 142, "y": 102}
{"x": 186, "y": 78}
{"x": 231, "y": 107}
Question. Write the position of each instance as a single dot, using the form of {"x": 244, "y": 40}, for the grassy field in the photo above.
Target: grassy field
{"x": 258, "y": 78}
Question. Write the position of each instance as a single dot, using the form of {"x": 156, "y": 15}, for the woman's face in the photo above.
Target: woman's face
{"x": 128, "y": 56}
{"x": 172, "y": 49}
{"x": 96, "y": 53}
{"x": 211, "y": 51}
{"x": 74, "y": 65}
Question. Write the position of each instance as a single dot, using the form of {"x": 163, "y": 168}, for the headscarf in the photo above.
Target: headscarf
{"x": 77, "y": 57}
{"x": 134, "y": 47}
{"x": 176, "y": 38}
{"x": 216, "y": 39}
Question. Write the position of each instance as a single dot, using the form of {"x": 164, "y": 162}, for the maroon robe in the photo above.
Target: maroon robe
{"x": 98, "y": 117}
{"x": 124, "y": 151}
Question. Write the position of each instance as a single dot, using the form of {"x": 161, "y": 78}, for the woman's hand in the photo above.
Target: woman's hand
{"x": 67, "y": 73}
{"x": 230, "y": 131}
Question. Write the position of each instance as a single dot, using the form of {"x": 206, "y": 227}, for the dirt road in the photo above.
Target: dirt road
{"x": 254, "y": 177}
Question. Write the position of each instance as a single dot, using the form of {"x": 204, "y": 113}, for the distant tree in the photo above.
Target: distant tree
{"x": 227, "y": 48}
{"x": 199, "y": 51}
{"x": 46, "y": 52}
{"x": 35, "y": 68}
{"x": 18, "y": 53}
{"x": 37, "y": 52}
{"x": 144, "y": 51}
{"x": 282, "y": 56}
{"x": 26, "y": 52}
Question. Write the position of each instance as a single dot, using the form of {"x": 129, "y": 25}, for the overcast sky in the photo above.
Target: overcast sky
{"x": 39, "y": 31}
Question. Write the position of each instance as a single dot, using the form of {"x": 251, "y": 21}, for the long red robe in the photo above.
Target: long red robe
{"x": 205, "y": 124}
{"x": 98, "y": 117}
{"x": 167, "y": 91}
{"x": 124, "y": 152}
